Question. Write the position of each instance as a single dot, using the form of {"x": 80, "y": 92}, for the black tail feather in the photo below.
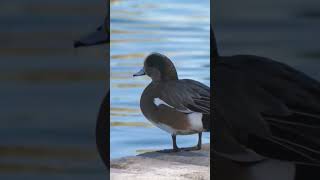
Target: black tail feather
{"x": 294, "y": 138}
{"x": 206, "y": 122}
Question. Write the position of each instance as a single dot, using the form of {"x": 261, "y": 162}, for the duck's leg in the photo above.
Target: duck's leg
{"x": 175, "y": 148}
{"x": 174, "y": 143}
{"x": 199, "y": 141}
{"x": 197, "y": 147}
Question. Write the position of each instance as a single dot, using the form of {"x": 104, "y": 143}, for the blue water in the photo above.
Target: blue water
{"x": 178, "y": 29}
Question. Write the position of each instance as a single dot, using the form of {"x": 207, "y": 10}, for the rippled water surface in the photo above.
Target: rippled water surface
{"x": 178, "y": 29}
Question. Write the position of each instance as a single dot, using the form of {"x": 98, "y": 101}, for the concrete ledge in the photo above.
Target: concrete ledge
{"x": 158, "y": 165}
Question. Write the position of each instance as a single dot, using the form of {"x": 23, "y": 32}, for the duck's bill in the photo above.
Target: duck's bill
{"x": 96, "y": 38}
{"x": 140, "y": 73}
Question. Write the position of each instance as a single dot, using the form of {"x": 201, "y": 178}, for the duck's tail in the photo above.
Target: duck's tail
{"x": 213, "y": 45}
{"x": 206, "y": 122}
{"x": 295, "y": 138}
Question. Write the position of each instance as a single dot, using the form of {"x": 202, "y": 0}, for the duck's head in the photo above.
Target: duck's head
{"x": 158, "y": 67}
{"x": 100, "y": 36}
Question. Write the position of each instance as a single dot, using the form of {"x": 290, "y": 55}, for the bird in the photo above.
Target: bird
{"x": 263, "y": 110}
{"x": 257, "y": 97}
{"x": 99, "y": 37}
{"x": 177, "y": 106}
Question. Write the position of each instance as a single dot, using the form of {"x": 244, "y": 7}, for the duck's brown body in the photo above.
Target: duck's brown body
{"x": 177, "y": 106}
{"x": 166, "y": 117}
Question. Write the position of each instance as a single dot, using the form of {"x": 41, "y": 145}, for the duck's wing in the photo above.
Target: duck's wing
{"x": 276, "y": 107}
{"x": 186, "y": 96}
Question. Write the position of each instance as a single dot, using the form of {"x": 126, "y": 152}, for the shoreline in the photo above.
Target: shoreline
{"x": 184, "y": 165}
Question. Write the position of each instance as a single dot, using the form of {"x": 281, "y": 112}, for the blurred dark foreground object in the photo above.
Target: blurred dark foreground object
{"x": 266, "y": 119}
{"x": 101, "y": 36}
{"x": 270, "y": 169}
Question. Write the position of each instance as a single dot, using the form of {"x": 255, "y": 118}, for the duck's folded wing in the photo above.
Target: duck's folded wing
{"x": 276, "y": 106}
{"x": 298, "y": 133}
{"x": 226, "y": 145}
{"x": 187, "y": 96}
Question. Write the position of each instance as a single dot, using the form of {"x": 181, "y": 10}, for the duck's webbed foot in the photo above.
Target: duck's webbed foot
{"x": 170, "y": 150}
{"x": 175, "y": 148}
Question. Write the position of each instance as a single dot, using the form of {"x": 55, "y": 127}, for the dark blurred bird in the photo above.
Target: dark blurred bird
{"x": 263, "y": 110}
{"x": 101, "y": 36}
{"x": 177, "y": 106}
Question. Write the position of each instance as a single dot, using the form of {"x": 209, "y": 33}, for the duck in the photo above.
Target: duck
{"x": 260, "y": 98}
{"x": 99, "y": 37}
{"x": 264, "y": 111}
{"x": 177, "y": 106}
